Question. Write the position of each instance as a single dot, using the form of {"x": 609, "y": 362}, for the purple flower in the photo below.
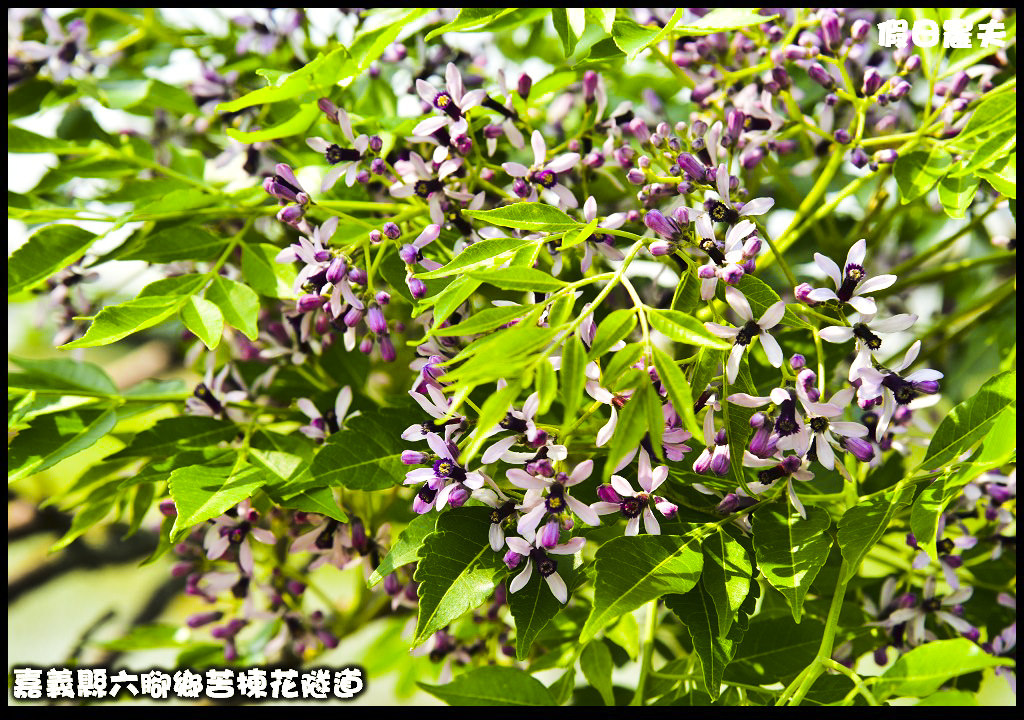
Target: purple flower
{"x": 750, "y": 331}
{"x": 548, "y": 496}
{"x": 851, "y": 286}
{"x": 633, "y": 504}
{"x": 544, "y": 175}
{"x": 538, "y": 555}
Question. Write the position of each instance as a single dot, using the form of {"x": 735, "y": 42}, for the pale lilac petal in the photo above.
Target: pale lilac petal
{"x": 863, "y": 305}
{"x": 564, "y": 162}
{"x": 526, "y": 481}
{"x": 540, "y": 149}
{"x": 651, "y": 523}
{"x": 739, "y": 303}
{"x": 771, "y": 349}
{"x": 633, "y": 526}
{"x": 557, "y": 586}
{"x": 749, "y": 401}
{"x": 569, "y": 548}
{"x": 515, "y": 169}
{"x": 772, "y": 315}
{"x": 826, "y": 456}
{"x": 522, "y": 578}
{"x": 879, "y": 282}
{"x": 585, "y": 512}
{"x": 757, "y": 206}
{"x": 836, "y": 334}
{"x": 430, "y": 125}
{"x": 822, "y": 295}
{"x": 580, "y": 473}
{"x": 733, "y": 365}
{"x": 495, "y": 451}
{"x": 849, "y": 429}
{"x": 857, "y": 252}
{"x": 496, "y": 535}
{"x": 622, "y": 486}
{"x": 726, "y": 333}
{"x": 829, "y": 267}
{"x": 897, "y": 323}
{"x": 519, "y": 545}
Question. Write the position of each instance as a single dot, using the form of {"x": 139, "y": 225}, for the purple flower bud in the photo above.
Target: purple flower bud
{"x": 458, "y": 497}
{"x": 200, "y": 619}
{"x": 375, "y": 320}
{"x": 803, "y": 294}
{"x": 720, "y": 463}
{"x": 336, "y": 270}
{"x": 666, "y": 508}
{"x": 353, "y": 317}
{"x": 761, "y": 444}
{"x": 644, "y": 162}
{"x": 635, "y": 177}
{"x": 830, "y": 30}
{"x": 392, "y": 230}
{"x": 296, "y": 588}
{"x": 912, "y": 63}
{"x": 549, "y": 534}
{"x": 659, "y": 248}
{"x": 167, "y": 508}
{"x": 376, "y": 143}
{"x": 886, "y": 156}
{"x": 859, "y": 29}
{"x": 309, "y": 302}
{"x": 589, "y": 86}
{"x": 859, "y": 158}
{"x": 292, "y": 214}
{"x": 797, "y": 361}
{"x": 639, "y": 130}
{"x": 806, "y": 378}
{"x": 780, "y": 76}
{"x": 357, "y": 275}
{"x": 958, "y": 84}
{"x": 607, "y": 494}
{"x": 662, "y": 225}
{"x": 698, "y": 128}
{"x": 693, "y": 167}
{"x": 387, "y": 349}
{"x": 512, "y": 559}
{"x": 860, "y": 448}
{"x": 732, "y": 274}
{"x": 523, "y": 86}
{"x": 842, "y": 136}
{"x": 392, "y": 585}
{"x": 872, "y": 81}
{"x": 521, "y": 188}
{"x": 417, "y": 288}
{"x": 329, "y": 109}
{"x": 413, "y": 457}
{"x": 700, "y": 93}
{"x": 820, "y": 75}
{"x": 378, "y": 167}
{"x": 879, "y": 654}
{"x": 790, "y": 464}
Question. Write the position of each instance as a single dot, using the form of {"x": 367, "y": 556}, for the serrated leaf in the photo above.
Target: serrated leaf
{"x": 171, "y": 286}
{"x": 492, "y": 686}
{"x": 572, "y": 239}
{"x": 201, "y": 493}
{"x": 204, "y": 320}
{"x": 267, "y": 276}
{"x": 48, "y": 250}
{"x": 96, "y": 506}
{"x": 239, "y": 304}
{"x": 957, "y": 193}
{"x": 469, "y": 18}
{"x": 318, "y": 500}
{"x": 457, "y": 569}
{"x": 366, "y": 455}
{"x": 727, "y": 576}
{"x": 533, "y": 606}
{"x": 54, "y": 437}
{"x": 494, "y": 409}
{"x": 485, "y": 252}
{"x": 117, "y": 321}
{"x": 630, "y": 571}
{"x": 448, "y": 300}
{"x": 968, "y": 422}
{"x": 684, "y": 328}
{"x": 519, "y": 278}
{"x": 532, "y": 216}
{"x": 862, "y": 525}
{"x": 924, "y": 669}
{"x": 791, "y": 550}
{"x": 405, "y": 548}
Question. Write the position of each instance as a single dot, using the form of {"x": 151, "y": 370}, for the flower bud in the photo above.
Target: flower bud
{"x": 309, "y": 302}
{"x": 803, "y": 294}
{"x": 458, "y": 497}
{"x": 607, "y": 494}
{"x": 391, "y": 230}
{"x": 860, "y": 448}
{"x": 524, "y": 85}
{"x": 336, "y": 270}
{"x": 512, "y": 559}
{"x": 830, "y": 32}
{"x": 797, "y": 361}
{"x": 417, "y": 288}
{"x": 549, "y": 534}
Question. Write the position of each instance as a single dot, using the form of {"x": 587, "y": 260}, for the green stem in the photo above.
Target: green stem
{"x": 648, "y": 651}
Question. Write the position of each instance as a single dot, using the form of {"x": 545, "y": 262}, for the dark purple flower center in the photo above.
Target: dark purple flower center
{"x": 555, "y": 500}
{"x": 424, "y": 188}
{"x": 786, "y": 423}
{"x": 336, "y": 154}
{"x": 545, "y": 565}
{"x": 851, "y": 278}
{"x": 902, "y": 391}
{"x": 203, "y": 393}
{"x": 818, "y": 424}
{"x": 711, "y": 248}
{"x": 747, "y": 333}
{"x": 545, "y": 178}
{"x": 444, "y": 102}
{"x": 498, "y": 514}
{"x": 864, "y": 334}
{"x": 633, "y": 506}
{"x": 720, "y": 212}
{"x": 513, "y": 423}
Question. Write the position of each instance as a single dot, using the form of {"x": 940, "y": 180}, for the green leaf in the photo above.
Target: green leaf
{"x": 532, "y": 216}
{"x": 791, "y": 550}
{"x": 615, "y": 327}
{"x": 596, "y": 664}
{"x": 204, "y": 320}
{"x": 502, "y": 354}
{"x": 991, "y": 116}
{"x": 760, "y": 297}
{"x": 724, "y": 18}
{"x": 631, "y": 37}
{"x": 989, "y": 152}
{"x": 634, "y": 422}
{"x": 484, "y": 320}
{"x": 457, "y": 569}
{"x": 679, "y": 392}
{"x": 321, "y": 74}
{"x": 560, "y": 18}
{"x": 448, "y": 300}
{"x": 297, "y": 124}
{"x": 65, "y": 374}
{"x": 546, "y": 383}
{"x": 727, "y": 575}
{"x": 968, "y": 422}
{"x": 775, "y": 650}
{"x": 406, "y": 547}
{"x": 91, "y": 511}
{"x": 470, "y": 18}
{"x": 917, "y": 172}
{"x": 492, "y": 686}
{"x": 1002, "y": 175}
{"x": 117, "y": 321}
{"x": 48, "y": 250}
{"x": 684, "y": 328}
{"x": 20, "y": 140}
{"x": 202, "y": 493}
{"x": 519, "y": 278}
{"x": 571, "y": 239}
{"x": 573, "y": 377}
{"x": 630, "y": 571}
{"x": 366, "y": 455}
{"x": 184, "y": 242}
{"x": 864, "y": 524}
{"x": 947, "y": 698}
{"x": 267, "y": 276}
{"x": 239, "y": 303}
{"x": 177, "y": 285}
{"x": 172, "y": 435}
{"x": 924, "y": 669}
{"x": 319, "y": 500}
{"x": 485, "y": 252}
{"x": 54, "y": 437}
{"x": 715, "y": 647}
{"x": 957, "y": 193}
